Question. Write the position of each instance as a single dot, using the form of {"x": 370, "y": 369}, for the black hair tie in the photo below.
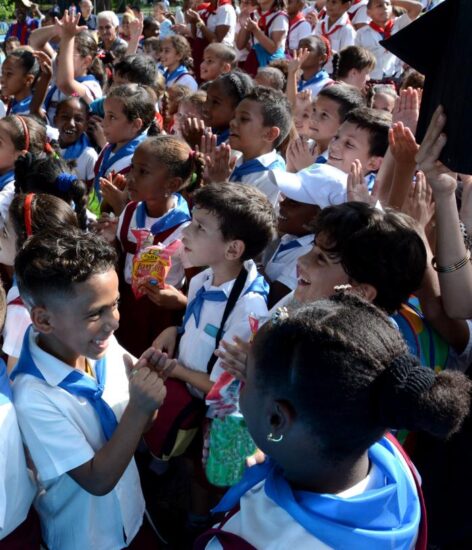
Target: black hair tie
{"x": 400, "y": 386}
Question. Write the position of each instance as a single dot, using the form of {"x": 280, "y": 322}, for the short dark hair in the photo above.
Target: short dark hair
{"x": 352, "y": 57}
{"x": 50, "y": 263}
{"x": 347, "y": 97}
{"x": 377, "y": 123}
{"x": 138, "y": 102}
{"x": 274, "y": 76}
{"x": 244, "y": 212}
{"x": 342, "y": 351}
{"x": 138, "y": 69}
{"x": 223, "y": 51}
{"x": 236, "y": 83}
{"x": 275, "y": 108}
{"x": 381, "y": 248}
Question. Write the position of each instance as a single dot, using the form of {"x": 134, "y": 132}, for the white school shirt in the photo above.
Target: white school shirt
{"x": 93, "y": 90}
{"x": 225, "y": 15}
{"x": 184, "y": 80}
{"x": 121, "y": 165}
{"x": 17, "y": 320}
{"x": 341, "y": 38}
{"x": 282, "y": 267}
{"x": 262, "y": 180}
{"x": 316, "y": 87}
{"x": 300, "y": 30}
{"x": 258, "y": 514}
{"x": 358, "y": 13}
{"x": 85, "y": 164}
{"x": 386, "y": 64}
{"x": 17, "y": 489}
{"x": 180, "y": 262}
{"x": 6, "y": 196}
{"x": 277, "y": 23}
{"x": 62, "y": 432}
{"x": 198, "y": 343}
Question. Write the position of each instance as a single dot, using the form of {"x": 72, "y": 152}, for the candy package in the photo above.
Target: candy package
{"x": 152, "y": 262}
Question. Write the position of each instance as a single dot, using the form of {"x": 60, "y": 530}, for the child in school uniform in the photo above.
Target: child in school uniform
{"x": 17, "y": 489}
{"x": 382, "y": 25}
{"x": 329, "y": 110}
{"x": 129, "y": 111}
{"x": 162, "y": 168}
{"x": 335, "y": 481}
{"x": 298, "y": 26}
{"x": 176, "y": 59}
{"x": 82, "y": 402}
{"x": 19, "y": 73}
{"x": 313, "y": 76}
{"x": 304, "y": 197}
{"x": 336, "y": 27}
{"x": 266, "y": 113}
{"x": 71, "y": 121}
{"x": 218, "y": 59}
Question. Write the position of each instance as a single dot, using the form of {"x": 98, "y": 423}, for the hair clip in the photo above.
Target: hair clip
{"x": 279, "y": 315}
{"x": 27, "y": 214}
{"x": 65, "y": 181}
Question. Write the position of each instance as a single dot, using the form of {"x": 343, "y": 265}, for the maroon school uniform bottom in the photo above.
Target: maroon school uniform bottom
{"x": 26, "y": 536}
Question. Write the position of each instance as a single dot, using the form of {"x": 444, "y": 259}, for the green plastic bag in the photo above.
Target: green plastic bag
{"x": 229, "y": 445}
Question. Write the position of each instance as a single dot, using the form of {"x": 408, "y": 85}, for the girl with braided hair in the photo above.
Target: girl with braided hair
{"x": 323, "y": 388}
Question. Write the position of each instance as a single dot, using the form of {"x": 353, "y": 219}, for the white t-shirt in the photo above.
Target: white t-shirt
{"x": 282, "y": 266}
{"x": 386, "y": 64}
{"x": 85, "y": 164}
{"x": 196, "y": 357}
{"x": 262, "y": 180}
{"x": 180, "y": 262}
{"x": 343, "y": 36}
{"x": 358, "y": 13}
{"x": 62, "y": 432}
{"x": 17, "y": 489}
{"x": 93, "y": 91}
{"x": 300, "y": 30}
{"x": 277, "y": 22}
{"x": 224, "y": 16}
{"x": 6, "y": 196}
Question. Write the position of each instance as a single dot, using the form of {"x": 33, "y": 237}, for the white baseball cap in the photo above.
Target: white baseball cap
{"x": 319, "y": 184}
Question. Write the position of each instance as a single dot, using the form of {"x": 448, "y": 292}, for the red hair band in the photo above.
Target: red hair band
{"x": 25, "y": 131}
{"x": 27, "y": 212}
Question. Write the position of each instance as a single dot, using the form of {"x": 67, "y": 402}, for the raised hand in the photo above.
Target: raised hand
{"x": 438, "y": 176}
{"x": 419, "y": 201}
{"x": 407, "y": 108}
{"x": 69, "y": 26}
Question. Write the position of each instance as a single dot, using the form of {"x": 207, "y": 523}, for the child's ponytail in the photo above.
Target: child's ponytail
{"x": 414, "y": 397}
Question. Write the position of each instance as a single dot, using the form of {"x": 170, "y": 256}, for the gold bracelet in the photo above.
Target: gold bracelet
{"x": 453, "y": 267}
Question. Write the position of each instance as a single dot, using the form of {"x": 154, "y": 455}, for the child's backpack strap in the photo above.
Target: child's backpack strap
{"x": 422, "y": 540}
{"x": 129, "y": 246}
{"x": 232, "y": 299}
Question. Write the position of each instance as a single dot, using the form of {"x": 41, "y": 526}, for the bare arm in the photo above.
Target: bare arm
{"x": 412, "y": 7}
{"x": 65, "y": 78}
{"x": 39, "y": 39}
{"x": 197, "y": 379}
{"x": 270, "y": 43}
{"x": 456, "y": 286}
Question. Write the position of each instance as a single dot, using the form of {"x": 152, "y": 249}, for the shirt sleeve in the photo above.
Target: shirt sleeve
{"x": 91, "y": 159}
{"x": 224, "y": 16}
{"x": 280, "y": 23}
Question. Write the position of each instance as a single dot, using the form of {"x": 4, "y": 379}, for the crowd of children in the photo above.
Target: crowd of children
{"x": 228, "y": 266}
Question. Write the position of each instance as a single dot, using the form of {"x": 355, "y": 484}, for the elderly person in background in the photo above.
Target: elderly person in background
{"x": 86, "y": 16}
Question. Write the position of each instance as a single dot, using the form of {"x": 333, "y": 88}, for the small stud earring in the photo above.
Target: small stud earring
{"x": 273, "y": 439}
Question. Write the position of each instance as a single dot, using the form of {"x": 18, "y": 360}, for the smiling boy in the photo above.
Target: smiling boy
{"x": 82, "y": 403}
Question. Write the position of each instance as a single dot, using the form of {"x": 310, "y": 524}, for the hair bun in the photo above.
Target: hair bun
{"x": 400, "y": 386}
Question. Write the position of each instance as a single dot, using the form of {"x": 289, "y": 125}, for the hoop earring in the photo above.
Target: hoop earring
{"x": 273, "y": 439}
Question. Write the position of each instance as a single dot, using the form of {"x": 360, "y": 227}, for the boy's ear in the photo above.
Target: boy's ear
{"x": 29, "y": 79}
{"x": 137, "y": 124}
{"x": 226, "y": 68}
{"x": 365, "y": 290}
{"x": 234, "y": 250}
{"x": 373, "y": 164}
{"x": 41, "y": 319}
{"x": 271, "y": 133}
